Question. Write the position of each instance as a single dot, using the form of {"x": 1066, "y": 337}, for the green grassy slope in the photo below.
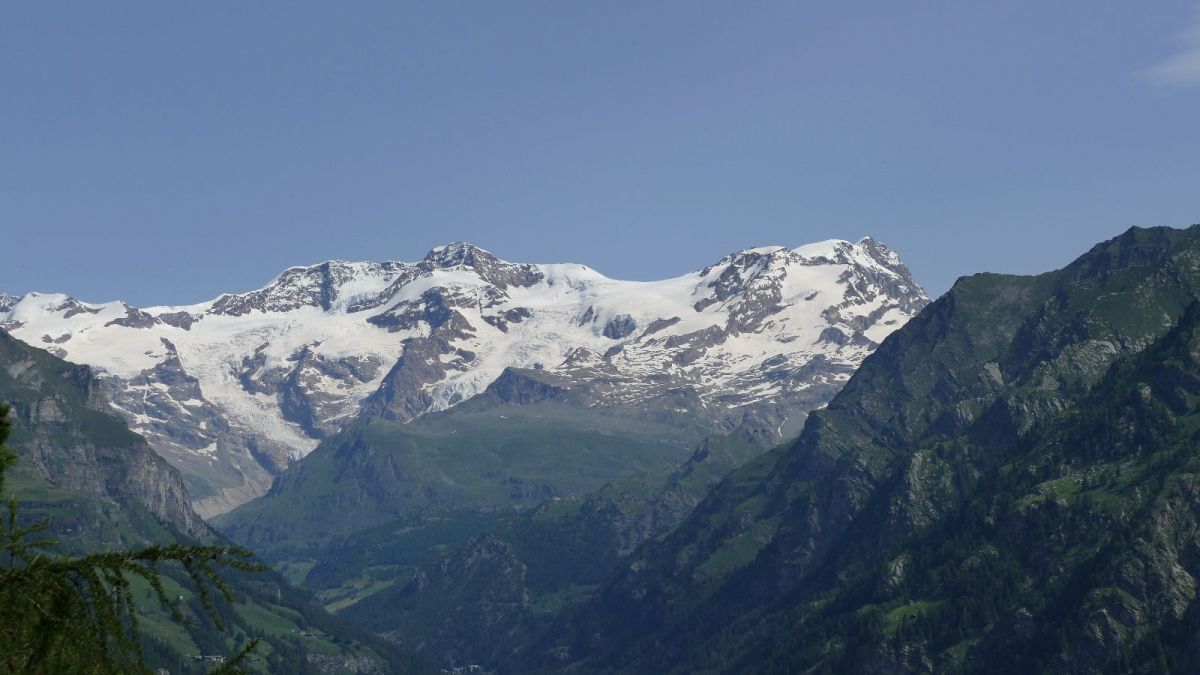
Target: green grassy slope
{"x": 377, "y": 471}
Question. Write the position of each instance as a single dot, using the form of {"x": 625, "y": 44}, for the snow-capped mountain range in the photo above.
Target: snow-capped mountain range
{"x": 232, "y": 389}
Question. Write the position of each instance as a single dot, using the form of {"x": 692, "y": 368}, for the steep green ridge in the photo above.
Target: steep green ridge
{"x": 1005, "y": 484}
{"x": 457, "y": 588}
{"x": 298, "y": 635}
{"x": 102, "y": 488}
{"x": 492, "y": 455}
{"x": 1075, "y": 552}
{"x": 453, "y": 581}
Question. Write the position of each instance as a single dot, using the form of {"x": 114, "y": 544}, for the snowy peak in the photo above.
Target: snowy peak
{"x": 491, "y": 269}
{"x": 230, "y": 390}
{"x": 325, "y": 286}
{"x": 755, "y": 284}
{"x": 866, "y": 254}
{"x": 709, "y": 330}
{"x": 58, "y": 304}
{"x": 458, "y": 253}
{"x": 7, "y": 301}
{"x": 881, "y": 253}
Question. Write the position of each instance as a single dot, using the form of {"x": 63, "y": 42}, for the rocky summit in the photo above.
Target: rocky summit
{"x": 233, "y": 389}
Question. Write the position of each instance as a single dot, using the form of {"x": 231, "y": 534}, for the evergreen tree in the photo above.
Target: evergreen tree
{"x": 61, "y": 614}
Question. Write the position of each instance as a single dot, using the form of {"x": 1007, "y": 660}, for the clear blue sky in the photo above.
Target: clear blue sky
{"x": 165, "y": 152}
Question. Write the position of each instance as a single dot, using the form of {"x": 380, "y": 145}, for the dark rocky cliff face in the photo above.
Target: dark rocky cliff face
{"x": 65, "y": 434}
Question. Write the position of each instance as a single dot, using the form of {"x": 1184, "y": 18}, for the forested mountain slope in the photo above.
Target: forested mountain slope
{"x": 1005, "y": 484}
{"x": 101, "y": 488}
